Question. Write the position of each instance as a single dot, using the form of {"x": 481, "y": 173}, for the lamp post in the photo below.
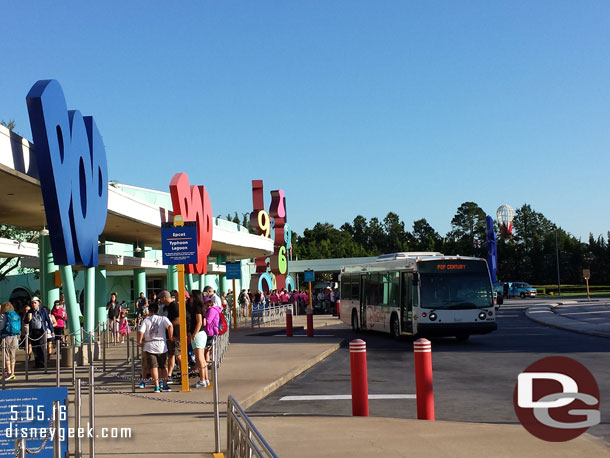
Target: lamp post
{"x": 557, "y": 257}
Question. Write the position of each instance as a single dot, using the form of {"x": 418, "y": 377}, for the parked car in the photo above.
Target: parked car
{"x": 521, "y": 289}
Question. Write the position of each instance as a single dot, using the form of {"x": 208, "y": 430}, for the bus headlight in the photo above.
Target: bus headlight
{"x": 433, "y": 316}
{"x": 482, "y": 316}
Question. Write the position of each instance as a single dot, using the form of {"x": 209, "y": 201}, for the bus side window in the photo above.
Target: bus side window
{"x": 372, "y": 289}
{"x": 346, "y": 288}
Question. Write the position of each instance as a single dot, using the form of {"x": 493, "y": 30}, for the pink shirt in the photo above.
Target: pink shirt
{"x": 60, "y": 315}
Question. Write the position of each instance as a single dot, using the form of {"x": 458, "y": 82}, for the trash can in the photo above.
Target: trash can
{"x": 66, "y": 356}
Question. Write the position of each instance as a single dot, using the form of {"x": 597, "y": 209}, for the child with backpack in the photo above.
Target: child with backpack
{"x": 10, "y": 330}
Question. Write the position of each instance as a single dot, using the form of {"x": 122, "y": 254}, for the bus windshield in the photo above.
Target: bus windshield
{"x": 455, "y": 284}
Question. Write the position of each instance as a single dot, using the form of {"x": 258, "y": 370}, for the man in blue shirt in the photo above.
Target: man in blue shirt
{"x": 39, "y": 321}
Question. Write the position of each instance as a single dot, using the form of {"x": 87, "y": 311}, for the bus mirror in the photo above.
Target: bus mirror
{"x": 415, "y": 278}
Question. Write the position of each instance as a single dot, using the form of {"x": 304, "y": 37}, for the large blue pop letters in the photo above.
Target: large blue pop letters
{"x": 73, "y": 174}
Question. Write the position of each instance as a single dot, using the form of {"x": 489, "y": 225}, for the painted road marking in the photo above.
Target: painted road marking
{"x": 332, "y": 397}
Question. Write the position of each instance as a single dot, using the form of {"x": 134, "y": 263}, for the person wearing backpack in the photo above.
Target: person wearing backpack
{"x": 39, "y": 321}
{"x": 10, "y": 329}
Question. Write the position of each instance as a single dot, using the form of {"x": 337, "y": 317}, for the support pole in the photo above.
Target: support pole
{"x": 309, "y": 323}
{"x": 184, "y": 374}
{"x": 20, "y": 448}
{"x": 73, "y": 338}
{"x": 57, "y": 425}
{"x": 133, "y": 364}
{"x": 78, "y": 402}
{"x": 234, "y": 307}
{"x": 73, "y": 309}
{"x": 104, "y": 338}
{"x": 215, "y": 383}
{"x": 92, "y": 411}
{"x": 89, "y": 303}
{"x": 58, "y": 363}
{"x": 360, "y": 388}
{"x": 27, "y": 356}
{"x": 422, "y": 351}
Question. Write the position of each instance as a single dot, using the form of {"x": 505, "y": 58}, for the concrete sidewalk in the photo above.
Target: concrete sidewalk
{"x": 592, "y": 318}
{"x": 259, "y": 361}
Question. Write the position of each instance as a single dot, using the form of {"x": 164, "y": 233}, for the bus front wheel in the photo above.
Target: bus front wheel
{"x": 394, "y": 328}
{"x": 355, "y": 322}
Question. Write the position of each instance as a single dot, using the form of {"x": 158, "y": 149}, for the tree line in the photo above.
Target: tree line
{"x": 528, "y": 254}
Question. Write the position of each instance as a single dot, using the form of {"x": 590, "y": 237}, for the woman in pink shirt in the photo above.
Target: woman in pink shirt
{"x": 59, "y": 313}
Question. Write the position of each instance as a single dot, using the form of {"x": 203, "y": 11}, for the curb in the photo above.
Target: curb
{"x": 265, "y": 391}
{"x": 561, "y": 325}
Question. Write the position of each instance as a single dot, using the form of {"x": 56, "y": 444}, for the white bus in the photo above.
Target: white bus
{"x": 421, "y": 294}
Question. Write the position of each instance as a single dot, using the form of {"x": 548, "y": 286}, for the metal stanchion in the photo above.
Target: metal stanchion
{"x": 78, "y": 443}
{"x": 57, "y": 425}
{"x": 133, "y": 365}
{"x": 89, "y": 352}
{"x": 45, "y": 350}
{"x": 215, "y": 382}
{"x": 92, "y": 411}
{"x": 20, "y": 448}
{"x": 3, "y": 364}
{"x": 128, "y": 353}
{"x": 27, "y": 356}
{"x": 104, "y": 340}
{"x": 57, "y": 363}
{"x": 73, "y": 360}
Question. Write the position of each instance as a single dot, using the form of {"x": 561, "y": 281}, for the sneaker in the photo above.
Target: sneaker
{"x": 207, "y": 383}
{"x": 169, "y": 381}
{"x": 157, "y": 389}
{"x": 166, "y": 388}
{"x": 142, "y": 384}
{"x": 11, "y": 377}
{"x": 200, "y": 384}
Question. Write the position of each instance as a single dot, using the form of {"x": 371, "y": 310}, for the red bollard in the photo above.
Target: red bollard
{"x": 288, "y": 323}
{"x": 360, "y": 385}
{"x": 309, "y": 323}
{"x": 338, "y": 309}
{"x": 422, "y": 351}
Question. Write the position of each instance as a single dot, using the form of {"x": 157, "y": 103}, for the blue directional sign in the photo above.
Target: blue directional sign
{"x": 233, "y": 270}
{"x": 309, "y": 276}
{"x": 28, "y": 414}
{"x": 179, "y": 244}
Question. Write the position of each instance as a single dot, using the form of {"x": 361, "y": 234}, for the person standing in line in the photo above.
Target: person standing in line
{"x": 39, "y": 321}
{"x": 211, "y": 295}
{"x": 112, "y": 307}
{"x": 10, "y": 326}
{"x": 173, "y": 345}
{"x": 199, "y": 338}
{"x": 212, "y": 320}
{"x": 124, "y": 327}
{"x": 152, "y": 338}
{"x": 59, "y": 313}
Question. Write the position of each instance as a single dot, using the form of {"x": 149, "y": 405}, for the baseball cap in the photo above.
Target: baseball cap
{"x": 35, "y": 298}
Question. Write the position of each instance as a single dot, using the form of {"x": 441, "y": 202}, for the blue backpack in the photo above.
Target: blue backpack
{"x": 13, "y": 324}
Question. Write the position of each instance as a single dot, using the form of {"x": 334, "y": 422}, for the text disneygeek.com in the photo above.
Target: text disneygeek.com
{"x": 20, "y": 432}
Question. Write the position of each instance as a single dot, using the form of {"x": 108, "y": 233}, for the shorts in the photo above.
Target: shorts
{"x": 210, "y": 341}
{"x": 200, "y": 340}
{"x": 173, "y": 348}
{"x": 12, "y": 344}
{"x": 59, "y": 332}
{"x": 155, "y": 360}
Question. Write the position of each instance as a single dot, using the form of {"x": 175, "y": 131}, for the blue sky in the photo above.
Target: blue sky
{"x": 352, "y": 107}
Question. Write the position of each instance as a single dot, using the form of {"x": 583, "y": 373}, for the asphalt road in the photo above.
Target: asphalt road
{"x": 473, "y": 381}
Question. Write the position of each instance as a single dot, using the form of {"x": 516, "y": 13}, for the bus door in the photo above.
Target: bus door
{"x": 406, "y": 302}
{"x": 362, "y": 314}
